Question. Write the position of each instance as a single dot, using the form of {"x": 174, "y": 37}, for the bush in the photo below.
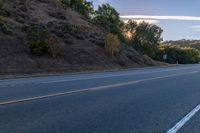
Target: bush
{"x": 82, "y": 6}
{"x": 176, "y": 54}
{"x": 1, "y": 4}
{"x": 191, "y": 56}
{"x": 38, "y": 42}
{"x": 5, "y": 27}
{"x": 55, "y": 48}
{"x": 112, "y": 44}
{"x": 42, "y": 43}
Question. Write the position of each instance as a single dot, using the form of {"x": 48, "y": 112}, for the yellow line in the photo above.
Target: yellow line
{"x": 90, "y": 89}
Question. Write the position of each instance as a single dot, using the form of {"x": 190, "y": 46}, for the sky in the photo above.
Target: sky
{"x": 179, "y": 19}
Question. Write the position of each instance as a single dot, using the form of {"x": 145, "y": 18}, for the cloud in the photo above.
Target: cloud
{"x": 148, "y": 17}
{"x": 151, "y": 21}
{"x": 195, "y": 27}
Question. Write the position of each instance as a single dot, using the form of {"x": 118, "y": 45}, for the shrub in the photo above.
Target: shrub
{"x": 1, "y": 4}
{"x": 176, "y": 54}
{"x": 82, "y": 6}
{"x": 42, "y": 43}
{"x": 112, "y": 44}
{"x": 191, "y": 55}
{"x": 54, "y": 47}
{"x": 20, "y": 19}
{"x": 38, "y": 42}
{"x": 5, "y": 27}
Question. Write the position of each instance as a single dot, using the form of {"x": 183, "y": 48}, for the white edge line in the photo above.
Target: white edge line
{"x": 108, "y": 76}
{"x": 183, "y": 121}
{"x": 89, "y": 89}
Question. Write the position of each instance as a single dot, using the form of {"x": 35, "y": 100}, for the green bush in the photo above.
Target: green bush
{"x": 82, "y": 6}
{"x": 1, "y": 4}
{"x": 180, "y": 55}
{"x": 38, "y": 42}
{"x": 5, "y": 27}
{"x": 42, "y": 43}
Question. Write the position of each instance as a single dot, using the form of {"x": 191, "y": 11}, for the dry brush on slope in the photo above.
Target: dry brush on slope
{"x": 71, "y": 41}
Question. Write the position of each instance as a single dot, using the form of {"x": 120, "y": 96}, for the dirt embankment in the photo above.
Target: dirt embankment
{"x": 81, "y": 42}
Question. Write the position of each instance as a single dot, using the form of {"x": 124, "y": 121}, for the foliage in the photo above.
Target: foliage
{"x": 130, "y": 27}
{"x": 108, "y": 17}
{"x": 54, "y": 46}
{"x": 184, "y": 43}
{"x": 195, "y": 45}
{"x": 82, "y": 6}
{"x": 129, "y": 30}
{"x": 38, "y": 43}
{"x": 112, "y": 44}
{"x": 144, "y": 37}
{"x": 1, "y": 19}
{"x": 5, "y": 27}
{"x": 1, "y": 4}
{"x": 180, "y": 55}
{"x": 42, "y": 43}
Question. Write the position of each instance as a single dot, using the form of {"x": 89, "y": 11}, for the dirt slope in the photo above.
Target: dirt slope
{"x": 81, "y": 41}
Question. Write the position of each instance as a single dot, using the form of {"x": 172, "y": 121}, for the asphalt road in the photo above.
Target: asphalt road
{"x": 150, "y": 100}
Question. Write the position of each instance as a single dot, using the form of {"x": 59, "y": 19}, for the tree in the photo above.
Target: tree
{"x": 86, "y": 8}
{"x": 108, "y": 17}
{"x": 129, "y": 29}
{"x": 131, "y": 26}
{"x": 82, "y": 6}
{"x": 147, "y": 38}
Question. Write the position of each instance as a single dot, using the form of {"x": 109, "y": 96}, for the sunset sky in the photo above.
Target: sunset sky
{"x": 180, "y": 19}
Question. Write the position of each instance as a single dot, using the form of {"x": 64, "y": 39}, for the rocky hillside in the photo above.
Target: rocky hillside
{"x": 79, "y": 43}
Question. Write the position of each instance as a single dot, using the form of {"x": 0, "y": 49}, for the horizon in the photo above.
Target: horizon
{"x": 178, "y": 19}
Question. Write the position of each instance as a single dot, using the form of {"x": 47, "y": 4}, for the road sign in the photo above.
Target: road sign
{"x": 164, "y": 56}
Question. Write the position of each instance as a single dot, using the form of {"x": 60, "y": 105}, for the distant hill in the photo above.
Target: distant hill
{"x": 79, "y": 42}
{"x": 184, "y": 43}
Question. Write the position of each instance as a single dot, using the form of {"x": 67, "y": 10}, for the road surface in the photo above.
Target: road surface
{"x": 150, "y": 100}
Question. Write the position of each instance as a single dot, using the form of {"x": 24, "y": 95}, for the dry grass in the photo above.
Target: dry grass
{"x": 112, "y": 44}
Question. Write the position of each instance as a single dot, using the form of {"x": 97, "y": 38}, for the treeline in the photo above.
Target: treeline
{"x": 144, "y": 37}
{"x": 176, "y": 54}
{"x": 184, "y": 43}
{"x": 181, "y": 51}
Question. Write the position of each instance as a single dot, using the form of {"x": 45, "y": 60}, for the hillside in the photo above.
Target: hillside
{"x": 184, "y": 43}
{"x": 79, "y": 43}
